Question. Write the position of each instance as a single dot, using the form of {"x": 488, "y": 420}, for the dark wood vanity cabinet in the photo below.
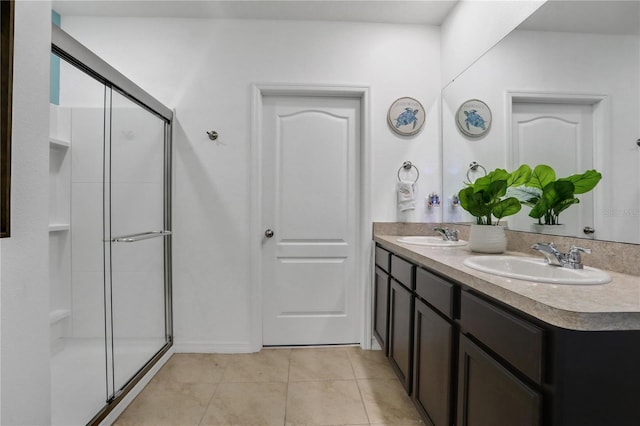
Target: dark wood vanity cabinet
{"x": 381, "y": 288}
{"x": 400, "y": 332}
{"x": 489, "y": 395}
{"x": 432, "y": 366}
{"x": 433, "y": 359}
{"x": 470, "y": 360}
{"x": 381, "y": 285}
{"x": 401, "y": 302}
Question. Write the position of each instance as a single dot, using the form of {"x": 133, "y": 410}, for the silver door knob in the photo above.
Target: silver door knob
{"x": 268, "y": 233}
{"x": 588, "y": 230}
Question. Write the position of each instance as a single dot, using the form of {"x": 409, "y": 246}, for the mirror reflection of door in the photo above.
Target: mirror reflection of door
{"x": 560, "y": 135}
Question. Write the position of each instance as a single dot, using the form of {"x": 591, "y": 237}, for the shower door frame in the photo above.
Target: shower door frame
{"x": 72, "y": 51}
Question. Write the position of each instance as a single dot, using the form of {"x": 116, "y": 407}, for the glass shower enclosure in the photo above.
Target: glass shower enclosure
{"x": 110, "y": 234}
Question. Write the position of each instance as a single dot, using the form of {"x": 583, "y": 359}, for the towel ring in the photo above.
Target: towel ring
{"x": 474, "y": 167}
{"x": 408, "y": 165}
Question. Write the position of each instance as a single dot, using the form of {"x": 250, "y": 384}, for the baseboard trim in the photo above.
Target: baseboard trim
{"x": 199, "y": 347}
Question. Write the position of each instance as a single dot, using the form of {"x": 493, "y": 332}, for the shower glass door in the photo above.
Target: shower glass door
{"x": 136, "y": 195}
{"x": 110, "y": 244}
{"x": 76, "y": 264}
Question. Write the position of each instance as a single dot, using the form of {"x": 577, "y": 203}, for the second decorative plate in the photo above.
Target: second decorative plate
{"x": 473, "y": 118}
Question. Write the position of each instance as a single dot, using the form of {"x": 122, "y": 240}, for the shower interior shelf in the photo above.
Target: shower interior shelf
{"x": 59, "y": 224}
{"x": 56, "y": 143}
{"x": 59, "y": 169}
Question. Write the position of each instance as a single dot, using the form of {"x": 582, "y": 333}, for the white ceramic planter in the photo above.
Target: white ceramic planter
{"x": 549, "y": 229}
{"x": 487, "y": 239}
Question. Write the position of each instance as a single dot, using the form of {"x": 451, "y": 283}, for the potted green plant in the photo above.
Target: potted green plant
{"x": 486, "y": 199}
{"x": 548, "y": 196}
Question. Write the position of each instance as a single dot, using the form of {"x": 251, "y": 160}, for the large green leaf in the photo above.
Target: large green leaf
{"x": 539, "y": 209}
{"x": 541, "y": 176}
{"x": 584, "y": 182}
{"x": 527, "y": 195}
{"x": 496, "y": 190}
{"x": 506, "y": 207}
{"x": 473, "y": 202}
{"x": 520, "y": 176}
{"x": 564, "y": 204}
{"x": 559, "y": 191}
{"x": 483, "y": 183}
{"x": 554, "y": 195}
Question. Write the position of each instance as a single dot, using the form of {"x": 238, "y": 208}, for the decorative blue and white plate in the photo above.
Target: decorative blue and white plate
{"x": 473, "y": 118}
{"x": 406, "y": 116}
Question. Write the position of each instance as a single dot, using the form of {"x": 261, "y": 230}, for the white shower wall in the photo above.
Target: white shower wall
{"x": 137, "y": 205}
{"x": 204, "y": 69}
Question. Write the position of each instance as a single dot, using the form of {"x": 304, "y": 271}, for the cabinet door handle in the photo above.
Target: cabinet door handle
{"x": 269, "y": 233}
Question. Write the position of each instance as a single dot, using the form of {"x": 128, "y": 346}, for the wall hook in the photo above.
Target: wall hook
{"x": 213, "y": 135}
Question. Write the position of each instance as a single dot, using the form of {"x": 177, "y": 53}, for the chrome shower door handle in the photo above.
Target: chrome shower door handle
{"x": 269, "y": 233}
{"x": 132, "y": 238}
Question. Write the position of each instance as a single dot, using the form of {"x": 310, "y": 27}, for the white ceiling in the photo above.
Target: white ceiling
{"x": 429, "y": 12}
{"x": 586, "y": 16}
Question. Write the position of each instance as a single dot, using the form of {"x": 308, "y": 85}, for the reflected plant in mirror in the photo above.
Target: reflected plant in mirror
{"x": 549, "y": 197}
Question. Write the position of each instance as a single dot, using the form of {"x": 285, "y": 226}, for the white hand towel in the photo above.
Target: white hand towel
{"x": 406, "y": 195}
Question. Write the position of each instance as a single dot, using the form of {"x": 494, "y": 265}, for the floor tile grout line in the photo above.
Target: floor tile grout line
{"x": 353, "y": 368}
{"x": 355, "y": 378}
{"x": 286, "y": 394}
{"x": 206, "y": 409}
{"x": 226, "y": 366}
{"x": 364, "y": 405}
{"x": 217, "y": 386}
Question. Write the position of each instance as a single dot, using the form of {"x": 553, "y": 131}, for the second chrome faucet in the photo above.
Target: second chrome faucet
{"x": 447, "y": 234}
{"x": 572, "y": 259}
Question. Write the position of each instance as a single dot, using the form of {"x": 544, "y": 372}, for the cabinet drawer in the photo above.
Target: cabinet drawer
{"x": 489, "y": 395}
{"x": 383, "y": 258}
{"x": 517, "y": 341}
{"x": 436, "y": 291}
{"x": 402, "y": 271}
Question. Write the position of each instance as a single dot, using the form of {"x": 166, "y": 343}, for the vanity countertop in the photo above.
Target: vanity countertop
{"x": 611, "y": 306}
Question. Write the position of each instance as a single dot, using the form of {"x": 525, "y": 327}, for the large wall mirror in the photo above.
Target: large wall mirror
{"x": 564, "y": 90}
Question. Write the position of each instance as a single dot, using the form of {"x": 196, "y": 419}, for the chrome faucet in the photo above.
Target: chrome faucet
{"x": 572, "y": 259}
{"x": 447, "y": 234}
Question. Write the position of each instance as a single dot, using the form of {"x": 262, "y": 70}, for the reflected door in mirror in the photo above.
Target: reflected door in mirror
{"x": 559, "y": 133}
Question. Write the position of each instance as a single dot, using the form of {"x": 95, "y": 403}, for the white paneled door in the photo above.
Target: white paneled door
{"x": 310, "y": 160}
{"x": 561, "y": 135}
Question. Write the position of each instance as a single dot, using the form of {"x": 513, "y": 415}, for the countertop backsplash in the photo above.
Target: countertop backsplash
{"x": 608, "y": 255}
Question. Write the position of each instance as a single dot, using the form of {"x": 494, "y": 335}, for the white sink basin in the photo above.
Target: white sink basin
{"x": 431, "y": 241}
{"x": 535, "y": 269}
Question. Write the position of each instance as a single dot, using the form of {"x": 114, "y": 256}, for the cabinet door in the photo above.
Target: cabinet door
{"x": 381, "y": 308}
{"x": 433, "y": 336}
{"x": 489, "y": 395}
{"x": 401, "y": 332}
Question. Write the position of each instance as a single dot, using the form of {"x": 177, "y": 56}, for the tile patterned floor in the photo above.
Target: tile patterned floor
{"x": 284, "y": 387}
